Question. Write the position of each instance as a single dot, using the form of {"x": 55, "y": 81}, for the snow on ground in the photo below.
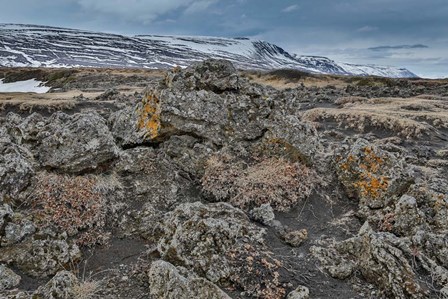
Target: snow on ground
{"x": 31, "y": 85}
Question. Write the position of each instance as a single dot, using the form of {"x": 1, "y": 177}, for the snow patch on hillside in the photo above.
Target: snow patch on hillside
{"x": 31, "y": 85}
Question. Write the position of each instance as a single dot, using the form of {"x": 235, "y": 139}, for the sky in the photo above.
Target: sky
{"x": 404, "y": 33}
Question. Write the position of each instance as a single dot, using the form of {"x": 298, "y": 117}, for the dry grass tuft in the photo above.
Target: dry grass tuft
{"x": 363, "y": 120}
{"x": 276, "y": 181}
{"x": 408, "y": 117}
{"x": 87, "y": 289}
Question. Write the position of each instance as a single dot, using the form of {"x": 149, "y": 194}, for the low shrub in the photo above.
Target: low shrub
{"x": 71, "y": 204}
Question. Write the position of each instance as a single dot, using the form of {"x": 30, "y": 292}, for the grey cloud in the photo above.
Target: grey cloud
{"x": 400, "y": 47}
{"x": 290, "y": 8}
{"x": 367, "y": 29}
{"x": 145, "y": 11}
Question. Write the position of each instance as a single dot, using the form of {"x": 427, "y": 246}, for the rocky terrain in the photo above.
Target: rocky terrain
{"x": 208, "y": 182}
{"x": 43, "y": 46}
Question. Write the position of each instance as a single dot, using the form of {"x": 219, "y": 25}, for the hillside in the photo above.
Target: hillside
{"x": 41, "y": 46}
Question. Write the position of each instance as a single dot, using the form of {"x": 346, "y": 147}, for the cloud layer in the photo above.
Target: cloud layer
{"x": 144, "y": 11}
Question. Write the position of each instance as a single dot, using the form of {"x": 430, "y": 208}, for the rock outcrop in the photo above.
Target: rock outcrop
{"x": 207, "y": 185}
{"x": 169, "y": 282}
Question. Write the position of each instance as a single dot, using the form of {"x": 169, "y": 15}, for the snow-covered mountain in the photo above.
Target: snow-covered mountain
{"x": 42, "y": 46}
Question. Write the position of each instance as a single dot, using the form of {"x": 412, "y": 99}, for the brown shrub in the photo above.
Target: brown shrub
{"x": 272, "y": 180}
{"x": 71, "y": 204}
{"x": 256, "y": 272}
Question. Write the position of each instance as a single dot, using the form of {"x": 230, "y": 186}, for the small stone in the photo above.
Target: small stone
{"x": 301, "y": 292}
{"x": 263, "y": 214}
{"x": 295, "y": 238}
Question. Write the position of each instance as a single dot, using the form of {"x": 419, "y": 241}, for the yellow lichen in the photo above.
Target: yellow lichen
{"x": 149, "y": 116}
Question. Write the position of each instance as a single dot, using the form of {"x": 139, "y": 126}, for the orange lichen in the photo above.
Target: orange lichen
{"x": 366, "y": 167}
{"x": 149, "y": 116}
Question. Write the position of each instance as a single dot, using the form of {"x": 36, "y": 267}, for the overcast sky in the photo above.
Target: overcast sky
{"x": 407, "y": 33}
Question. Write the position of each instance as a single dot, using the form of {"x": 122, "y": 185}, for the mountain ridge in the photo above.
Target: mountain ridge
{"x": 24, "y": 45}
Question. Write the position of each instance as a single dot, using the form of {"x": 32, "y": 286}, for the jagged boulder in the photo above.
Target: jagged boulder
{"x": 61, "y": 286}
{"x": 169, "y": 282}
{"x": 200, "y": 235}
{"x": 124, "y": 127}
{"x": 24, "y": 130}
{"x": 382, "y": 259}
{"x": 215, "y": 75}
{"x": 15, "y": 226}
{"x": 75, "y": 143}
{"x": 189, "y": 153}
{"x": 201, "y": 101}
{"x": 40, "y": 257}
{"x": 218, "y": 242}
{"x": 8, "y": 279}
{"x": 299, "y": 138}
{"x": 407, "y": 217}
{"x": 16, "y": 169}
{"x": 216, "y": 117}
{"x": 150, "y": 175}
{"x": 374, "y": 176}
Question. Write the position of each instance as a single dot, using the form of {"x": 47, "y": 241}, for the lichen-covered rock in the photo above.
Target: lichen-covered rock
{"x": 150, "y": 175}
{"x": 407, "y": 217}
{"x": 332, "y": 261}
{"x": 435, "y": 246}
{"x": 4, "y": 136}
{"x": 301, "y": 292}
{"x": 8, "y": 279}
{"x": 189, "y": 153}
{"x": 61, "y": 286}
{"x": 216, "y": 75}
{"x": 16, "y": 228}
{"x": 382, "y": 259}
{"x": 16, "y": 170}
{"x": 299, "y": 138}
{"x": 5, "y": 213}
{"x": 24, "y": 130}
{"x": 199, "y": 236}
{"x": 218, "y": 242}
{"x": 41, "y": 257}
{"x": 201, "y": 101}
{"x": 123, "y": 125}
{"x": 263, "y": 214}
{"x": 169, "y": 282}
{"x": 216, "y": 117}
{"x": 376, "y": 177}
{"x": 432, "y": 200}
{"x": 295, "y": 238}
{"x": 75, "y": 143}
